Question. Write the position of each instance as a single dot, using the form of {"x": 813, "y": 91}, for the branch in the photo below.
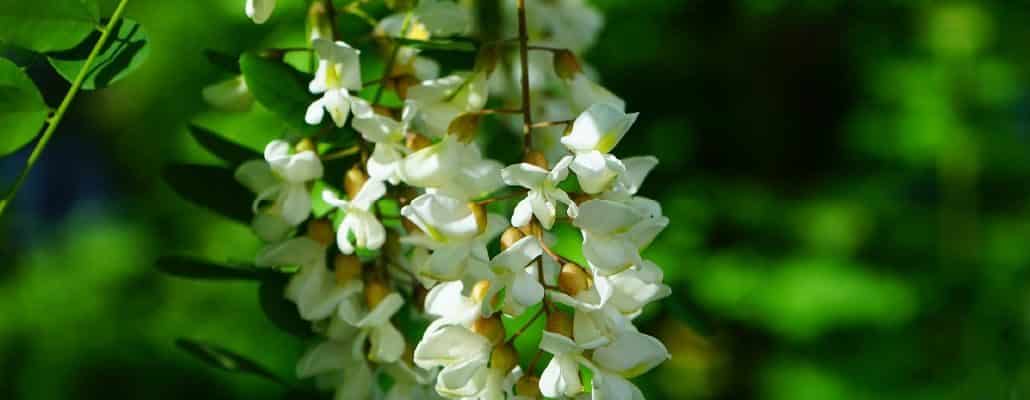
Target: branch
{"x": 54, "y": 121}
{"x": 527, "y": 108}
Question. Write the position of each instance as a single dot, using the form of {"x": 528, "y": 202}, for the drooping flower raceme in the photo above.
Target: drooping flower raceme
{"x": 433, "y": 231}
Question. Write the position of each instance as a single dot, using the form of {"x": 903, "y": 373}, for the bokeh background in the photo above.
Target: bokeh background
{"x": 848, "y": 183}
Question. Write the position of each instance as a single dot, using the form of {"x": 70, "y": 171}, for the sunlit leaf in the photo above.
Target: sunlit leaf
{"x": 22, "y": 110}
{"x": 124, "y": 51}
{"x": 280, "y": 88}
{"x": 225, "y": 359}
{"x": 47, "y": 25}
{"x": 222, "y": 147}
{"x": 211, "y": 187}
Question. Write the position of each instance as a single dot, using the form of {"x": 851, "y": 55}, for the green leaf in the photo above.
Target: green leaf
{"x": 212, "y": 187}
{"x": 124, "y": 52}
{"x": 280, "y": 311}
{"x": 438, "y": 44}
{"x": 189, "y": 267}
{"x": 280, "y": 88}
{"x": 46, "y": 25}
{"x": 223, "y": 148}
{"x": 224, "y": 359}
{"x": 22, "y": 110}
{"x": 224, "y": 62}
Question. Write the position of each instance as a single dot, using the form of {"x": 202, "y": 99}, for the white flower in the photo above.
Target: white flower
{"x": 464, "y": 356}
{"x": 447, "y": 302}
{"x": 259, "y": 10}
{"x": 387, "y": 343}
{"x": 631, "y": 354}
{"x": 359, "y": 220}
{"x": 338, "y": 71}
{"x": 314, "y": 287}
{"x": 543, "y": 192}
{"x": 338, "y": 364}
{"x": 409, "y": 383}
{"x": 594, "y": 134}
{"x": 229, "y": 95}
{"x": 453, "y": 234}
{"x": 636, "y": 287}
{"x": 607, "y": 386}
{"x": 615, "y": 232}
{"x": 283, "y": 178}
{"x": 515, "y": 273}
{"x": 452, "y": 168}
{"x": 584, "y": 93}
{"x": 561, "y": 376}
{"x": 388, "y": 136}
{"x": 442, "y": 100}
{"x": 628, "y": 184}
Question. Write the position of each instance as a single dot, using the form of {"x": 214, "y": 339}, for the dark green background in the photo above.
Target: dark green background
{"x": 848, "y": 185}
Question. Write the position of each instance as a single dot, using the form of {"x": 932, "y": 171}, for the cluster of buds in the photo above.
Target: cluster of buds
{"x": 360, "y": 267}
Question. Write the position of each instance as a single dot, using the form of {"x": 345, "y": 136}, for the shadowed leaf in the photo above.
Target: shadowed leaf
{"x": 223, "y": 148}
{"x": 211, "y": 187}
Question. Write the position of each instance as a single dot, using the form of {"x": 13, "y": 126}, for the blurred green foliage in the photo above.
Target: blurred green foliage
{"x": 847, "y": 183}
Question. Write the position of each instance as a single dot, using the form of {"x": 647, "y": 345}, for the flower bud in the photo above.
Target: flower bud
{"x": 504, "y": 357}
{"x": 559, "y": 322}
{"x": 580, "y": 198}
{"x": 510, "y": 236}
{"x": 480, "y": 290}
{"x": 573, "y": 279}
{"x": 375, "y": 292}
{"x": 491, "y": 328}
{"x": 402, "y": 83}
{"x": 347, "y": 268}
{"x": 464, "y": 127}
{"x": 416, "y": 142}
{"x": 321, "y": 231}
{"x": 536, "y": 158}
{"x": 480, "y": 213}
{"x": 305, "y": 144}
{"x": 531, "y": 229}
{"x": 353, "y": 181}
{"x": 565, "y": 64}
{"x": 319, "y": 26}
{"x": 528, "y": 386}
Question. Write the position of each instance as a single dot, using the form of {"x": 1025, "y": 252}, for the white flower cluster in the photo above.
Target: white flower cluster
{"x": 356, "y": 274}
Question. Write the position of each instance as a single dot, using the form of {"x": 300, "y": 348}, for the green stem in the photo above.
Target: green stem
{"x": 55, "y": 120}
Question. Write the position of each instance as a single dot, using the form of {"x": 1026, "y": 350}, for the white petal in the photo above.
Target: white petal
{"x": 599, "y": 128}
{"x": 526, "y": 175}
{"x": 295, "y": 203}
{"x": 387, "y": 344}
{"x": 593, "y": 171}
{"x": 259, "y": 10}
{"x": 315, "y": 112}
{"x": 294, "y": 252}
{"x": 371, "y": 191}
{"x": 383, "y": 311}
{"x": 523, "y": 212}
{"x": 324, "y": 357}
{"x": 270, "y": 227}
{"x": 637, "y": 169}
{"x": 544, "y": 210}
{"x": 256, "y": 175}
{"x": 520, "y": 254}
{"x": 631, "y": 354}
{"x": 337, "y": 102}
{"x": 606, "y": 217}
{"x": 561, "y": 378}
{"x": 449, "y": 345}
{"x": 609, "y": 255}
{"x": 526, "y": 290}
{"x": 229, "y": 95}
